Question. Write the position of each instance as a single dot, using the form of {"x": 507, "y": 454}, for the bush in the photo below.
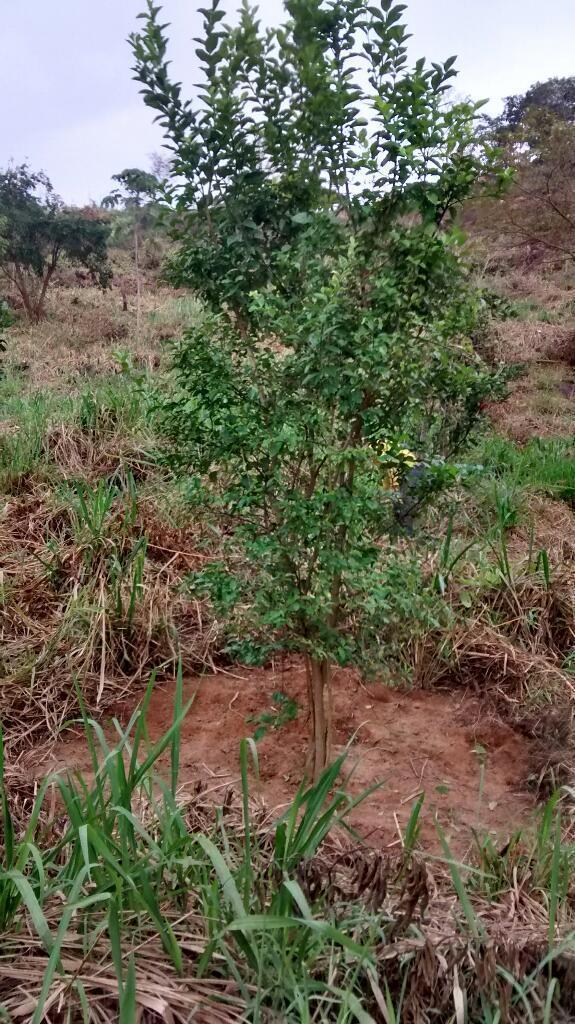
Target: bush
{"x": 318, "y": 205}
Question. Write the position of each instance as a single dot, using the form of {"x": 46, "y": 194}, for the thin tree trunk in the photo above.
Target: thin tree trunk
{"x": 20, "y": 284}
{"x": 138, "y": 282}
{"x": 320, "y": 706}
{"x": 39, "y": 312}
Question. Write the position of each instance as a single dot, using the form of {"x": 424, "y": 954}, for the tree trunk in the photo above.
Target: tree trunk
{"x": 19, "y": 281}
{"x": 319, "y": 696}
{"x": 39, "y": 310}
{"x": 138, "y": 282}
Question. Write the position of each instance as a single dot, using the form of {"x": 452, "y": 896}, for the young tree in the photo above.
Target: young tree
{"x": 137, "y": 192}
{"x": 316, "y": 178}
{"x": 37, "y": 231}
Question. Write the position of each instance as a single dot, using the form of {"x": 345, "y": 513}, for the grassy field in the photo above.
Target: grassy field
{"x": 122, "y": 900}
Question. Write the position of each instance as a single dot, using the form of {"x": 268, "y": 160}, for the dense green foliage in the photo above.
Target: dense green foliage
{"x": 37, "y": 231}
{"x": 320, "y": 176}
{"x": 320, "y": 113}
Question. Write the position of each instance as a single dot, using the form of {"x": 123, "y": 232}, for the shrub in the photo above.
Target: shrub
{"x": 335, "y": 355}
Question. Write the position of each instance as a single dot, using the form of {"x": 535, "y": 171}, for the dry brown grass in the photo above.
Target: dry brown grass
{"x": 65, "y": 616}
{"x": 83, "y": 329}
{"x": 510, "y": 650}
{"x": 540, "y": 404}
{"x": 64, "y": 600}
{"x": 527, "y": 341}
{"x": 549, "y": 292}
{"x": 548, "y": 525}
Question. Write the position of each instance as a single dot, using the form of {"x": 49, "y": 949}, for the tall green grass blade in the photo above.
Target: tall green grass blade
{"x": 245, "y": 746}
{"x": 273, "y": 923}
{"x": 413, "y": 827}
{"x": 548, "y": 1008}
{"x": 475, "y": 925}
{"x": 175, "y": 746}
{"x": 225, "y": 877}
{"x": 115, "y": 936}
{"x": 554, "y": 883}
{"x": 128, "y": 1005}
{"x": 8, "y": 826}
{"x": 33, "y": 907}
{"x": 139, "y": 719}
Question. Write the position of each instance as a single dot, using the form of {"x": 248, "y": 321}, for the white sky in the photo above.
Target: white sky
{"x": 68, "y": 104}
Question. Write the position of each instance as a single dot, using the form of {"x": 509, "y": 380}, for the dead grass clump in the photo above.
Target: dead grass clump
{"x": 541, "y": 290}
{"x": 83, "y": 329}
{"x": 525, "y": 688}
{"x": 539, "y": 615}
{"x": 551, "y": 527}
{"x": 80, "y": 453}
{"x": 87, "y": 600}
{"x": 524, "y": 341}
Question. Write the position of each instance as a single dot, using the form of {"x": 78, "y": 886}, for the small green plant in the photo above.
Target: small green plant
{"x": 283, "y": 710}
{"x": 246, "y": 919}
{"x": 102, "y": 514}
{"x": 119, "y": 405}
{"x": 507, "y": 506}
{"x": 126, "y": 575}
{"x": 449, "y": 558}
{"x": 22, "y": 449}
{"x": 90, "y": 511}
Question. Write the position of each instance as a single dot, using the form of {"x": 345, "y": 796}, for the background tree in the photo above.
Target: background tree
{"x": 37, "y": 232}
{"x": 555, "y": 98}
{"x": 315, "y": 178}
{"x": 536, "y": 216}
{"x": 137, "y": 192}
{"x": 136, "y": 188}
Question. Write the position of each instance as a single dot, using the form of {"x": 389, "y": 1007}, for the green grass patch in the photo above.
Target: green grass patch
{"x": 546, "y": 465}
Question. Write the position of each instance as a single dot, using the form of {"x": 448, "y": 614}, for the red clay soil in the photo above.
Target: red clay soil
{"x": 413, "y": 742}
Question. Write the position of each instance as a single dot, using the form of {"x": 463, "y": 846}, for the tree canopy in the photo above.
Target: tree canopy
{"x": 556, "y": 96}
{"x": 536, "y": 130}
{"x": 135, "y": 188}
{"x": 37, "y": 231}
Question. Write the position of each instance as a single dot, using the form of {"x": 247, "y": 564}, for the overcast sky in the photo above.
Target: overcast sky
{"x": 68, "y": 104}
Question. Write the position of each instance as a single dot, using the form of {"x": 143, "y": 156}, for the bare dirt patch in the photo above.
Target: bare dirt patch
{"x": 433, "y": 742}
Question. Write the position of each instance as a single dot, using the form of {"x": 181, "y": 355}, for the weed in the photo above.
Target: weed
{"x": 283, "y": 710}
{"x": 178, "y": 314}
{"x": 114, "y": 407}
